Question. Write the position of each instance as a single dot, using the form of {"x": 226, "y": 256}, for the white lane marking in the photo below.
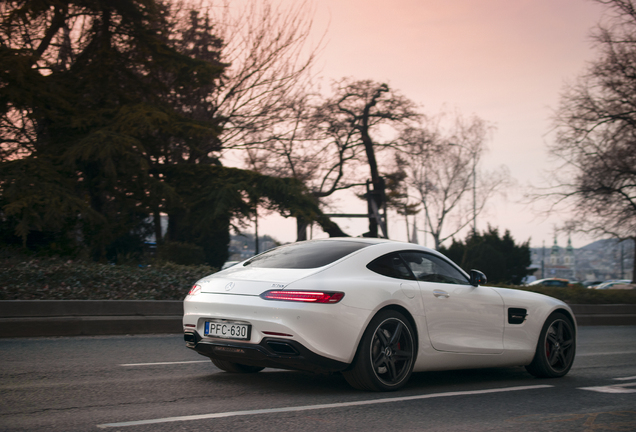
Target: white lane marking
{"x": 625, "y": 379}
{"x": 317, "y": 407}
{"x": 605, "y": 353}
{"x": 165, "y": 363}
{"x": 616, "y": 388}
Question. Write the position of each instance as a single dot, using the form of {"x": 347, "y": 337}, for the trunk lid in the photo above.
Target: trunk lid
{"x": 251, "y": 281}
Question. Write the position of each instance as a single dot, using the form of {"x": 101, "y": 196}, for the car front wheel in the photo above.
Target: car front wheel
{"x": 556, "y": 348}
{"x": 385, "y": 357}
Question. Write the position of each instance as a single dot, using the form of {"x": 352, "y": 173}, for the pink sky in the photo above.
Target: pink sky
{"x": 504, "y": 60}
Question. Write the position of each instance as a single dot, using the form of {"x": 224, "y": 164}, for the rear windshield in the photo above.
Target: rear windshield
{"x": 305, "y": 255}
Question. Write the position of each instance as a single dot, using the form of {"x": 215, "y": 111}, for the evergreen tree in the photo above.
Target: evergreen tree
{"x": 503, "y": 261}
{"x": 87, "y": 107}
{"x": 105, "y": 119}
{"x": 211, "y": 196}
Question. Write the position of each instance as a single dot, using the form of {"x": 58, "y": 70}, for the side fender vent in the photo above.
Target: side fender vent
{"x": 517, "y": 315}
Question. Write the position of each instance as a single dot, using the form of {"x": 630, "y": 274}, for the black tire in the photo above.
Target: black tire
{"x": 386, "y": 354}
{"x": 235, "y": 367}
{"x": 555, "y": 349}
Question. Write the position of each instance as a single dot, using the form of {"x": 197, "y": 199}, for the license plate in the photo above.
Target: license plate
{"x": 227, "y": 330}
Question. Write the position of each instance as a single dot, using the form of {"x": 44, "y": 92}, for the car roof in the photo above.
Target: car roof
{"x": 376, "y": 246}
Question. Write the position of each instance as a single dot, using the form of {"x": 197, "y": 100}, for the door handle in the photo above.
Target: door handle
{"x": 440, "y": 293}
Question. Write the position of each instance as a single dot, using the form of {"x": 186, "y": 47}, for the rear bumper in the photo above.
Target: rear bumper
{"x": 270, "y": 352}
{"x": 327, "y": 330}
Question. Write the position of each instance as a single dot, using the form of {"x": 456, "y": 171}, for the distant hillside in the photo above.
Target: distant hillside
{"x": 607, "y": 244}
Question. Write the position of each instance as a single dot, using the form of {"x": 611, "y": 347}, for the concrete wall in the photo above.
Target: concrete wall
{"x": 26, "y": 318}
{"x": 30, "y": 318}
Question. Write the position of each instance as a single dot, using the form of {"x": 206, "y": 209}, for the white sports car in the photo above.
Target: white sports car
{"x": 375, "y": 310}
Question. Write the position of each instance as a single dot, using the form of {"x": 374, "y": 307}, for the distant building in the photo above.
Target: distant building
{"x": 562, "y": 262}
{"x": 601, "y": 260}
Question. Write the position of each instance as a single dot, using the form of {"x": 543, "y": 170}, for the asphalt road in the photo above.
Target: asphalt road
{"x": 110, "y": 383}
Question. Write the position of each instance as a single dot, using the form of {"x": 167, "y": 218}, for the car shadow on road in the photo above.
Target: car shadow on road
{"x": 285, "y": 381}
{"x": 295, "y": 382}
{"x": 466, "y": 377}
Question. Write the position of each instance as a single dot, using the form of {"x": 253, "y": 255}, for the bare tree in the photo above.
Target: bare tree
{"x": 299, "y": 146}
{"x": 362, "y": 108}
{"x": 267, "y": 67}
{"x": 330, "y": 144}
{"x": 596, "y": 134}
{"x": 265, "y": 105}
{"x": 441, "y": 165}
{"x": 269, "y": 60}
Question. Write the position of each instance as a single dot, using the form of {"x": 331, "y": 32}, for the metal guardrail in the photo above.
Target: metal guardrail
{"x": 31, "y": 318}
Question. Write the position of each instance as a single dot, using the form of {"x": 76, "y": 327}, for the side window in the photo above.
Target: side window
{"x": 391, "y": 265}
{"x": 430, "y": 268}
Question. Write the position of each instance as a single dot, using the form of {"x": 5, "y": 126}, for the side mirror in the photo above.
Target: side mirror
{"x": 477, "y": 278}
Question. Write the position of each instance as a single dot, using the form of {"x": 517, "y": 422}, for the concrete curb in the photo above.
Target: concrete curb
{"x": 31, "y": 318}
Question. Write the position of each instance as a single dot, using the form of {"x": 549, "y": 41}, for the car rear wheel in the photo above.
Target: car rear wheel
{"x": 556, "y": 348}
{"x": 384, "y": 361}
{"x": 235, "y": 367}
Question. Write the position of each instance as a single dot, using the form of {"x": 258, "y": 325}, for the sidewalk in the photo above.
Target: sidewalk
{"x": 30, "y": 318}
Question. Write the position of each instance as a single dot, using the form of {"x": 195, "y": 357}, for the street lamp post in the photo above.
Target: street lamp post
{"x": 474, "y": 156}
{"x": 474, "y": 193}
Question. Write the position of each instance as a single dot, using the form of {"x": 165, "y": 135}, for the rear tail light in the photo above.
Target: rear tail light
{"x": 196, "y": 289}
{"x": 304, "y": 296}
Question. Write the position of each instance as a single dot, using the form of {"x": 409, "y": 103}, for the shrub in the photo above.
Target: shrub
{"x": 582, "y": 295}
{"x": 45, "y": 278}
{"x": 29, "y": 277}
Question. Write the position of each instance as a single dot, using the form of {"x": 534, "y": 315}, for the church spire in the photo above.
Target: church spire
{"x": 555, "y": 247}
